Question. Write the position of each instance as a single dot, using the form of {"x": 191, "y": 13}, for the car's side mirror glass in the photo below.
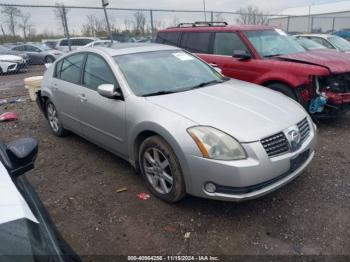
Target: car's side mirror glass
{"x": 241, "y": 55}
{"x": 21, "y": 154}
{"x": 108, "y": 90}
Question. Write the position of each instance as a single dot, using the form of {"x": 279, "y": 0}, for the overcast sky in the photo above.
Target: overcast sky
{"x": 44, "y": 19}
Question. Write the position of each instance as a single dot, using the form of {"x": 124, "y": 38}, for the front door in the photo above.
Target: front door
{"x": 102, "y": 119}
{"x": 224, "y": 46}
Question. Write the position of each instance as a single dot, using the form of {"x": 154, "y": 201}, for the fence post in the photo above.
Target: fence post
{"x": 288, "y": 23}
{"x": 66, "y": 27}
{"x": 312, "y": 24}
{"x": 152, "y": 24}
{"x": 108, "y": 25}
{"x": 333, "y": 25}
{"x": 211, "y": 16}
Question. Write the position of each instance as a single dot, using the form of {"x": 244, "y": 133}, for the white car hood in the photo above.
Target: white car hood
{"x": 12, "y": 204}
{"x": 246, "y": 111}
{"x": 13, "y": 58}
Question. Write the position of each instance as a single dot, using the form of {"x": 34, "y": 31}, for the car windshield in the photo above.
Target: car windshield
{"x": 164, "y": 72}
{"x": 271, "y": 43}
{"x": 340, "y": 43}
{"x": 2, "y": 48}
{"x": 309, "y": 44}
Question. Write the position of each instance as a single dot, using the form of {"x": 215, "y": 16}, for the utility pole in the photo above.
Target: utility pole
{"x": 104, "y": 4}
{"x": 66, "y": 27}
{"x": 205, "y": 13}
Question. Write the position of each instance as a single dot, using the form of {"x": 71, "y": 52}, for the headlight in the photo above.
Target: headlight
{"x": 215, "y": 144}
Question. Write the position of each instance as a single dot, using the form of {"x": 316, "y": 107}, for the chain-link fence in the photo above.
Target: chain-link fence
{"x": 26, "y": 23}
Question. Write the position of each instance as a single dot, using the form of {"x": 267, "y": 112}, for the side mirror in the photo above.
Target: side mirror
{"x": 241, "y": 55}
{"x": 19, "y": 156}
{"x": 108, "y": 90}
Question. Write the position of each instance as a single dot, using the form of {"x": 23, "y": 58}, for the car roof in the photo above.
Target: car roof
{"x": 317, "y": 35}
{"x": 219, "y": 28}
{"x": 131, "y": 48}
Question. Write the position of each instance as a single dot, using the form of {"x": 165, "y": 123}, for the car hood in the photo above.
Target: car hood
{"x": 246, "y": 111}
{"x": 335, "y": 62}
{"x": 13, "y": 58}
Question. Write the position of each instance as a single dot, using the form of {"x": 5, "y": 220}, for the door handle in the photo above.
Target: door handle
{"x": 83, "y": 98}
{"x": 213, "y": 64}
{"x": 55, "y": 87}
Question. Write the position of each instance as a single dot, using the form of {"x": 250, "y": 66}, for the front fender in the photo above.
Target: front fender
{"x": 169, "y": 138}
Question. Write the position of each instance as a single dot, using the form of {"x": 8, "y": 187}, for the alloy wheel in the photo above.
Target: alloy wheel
{"x": 53, "y": 118}
{"x": 157, "y": 169}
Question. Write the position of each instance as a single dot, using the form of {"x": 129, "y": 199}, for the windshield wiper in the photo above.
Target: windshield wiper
{"x": 272, "y": 55}
{"x": 159, "y": 93}
{"x": 207, "y": 84}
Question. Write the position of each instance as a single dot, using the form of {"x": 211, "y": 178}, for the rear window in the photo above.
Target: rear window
{"x": 71, "y": 68}
{"x": 196, "y": 42}
{"x": 168, "y": 38}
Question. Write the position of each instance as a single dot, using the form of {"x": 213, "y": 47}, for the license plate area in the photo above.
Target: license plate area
{"x": 298, "y": 161}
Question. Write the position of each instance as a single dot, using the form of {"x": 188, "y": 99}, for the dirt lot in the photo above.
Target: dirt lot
{"x": 77, "y": 182}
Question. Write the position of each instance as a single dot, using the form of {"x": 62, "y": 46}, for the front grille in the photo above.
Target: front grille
{"x": 304, "y": 129}
{"x": 275, "y": 145}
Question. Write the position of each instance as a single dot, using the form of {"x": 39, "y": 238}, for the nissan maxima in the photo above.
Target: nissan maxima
{"x": 186, "y": 128}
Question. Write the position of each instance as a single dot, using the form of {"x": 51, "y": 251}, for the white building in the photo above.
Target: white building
{"x": 317, "y": 18}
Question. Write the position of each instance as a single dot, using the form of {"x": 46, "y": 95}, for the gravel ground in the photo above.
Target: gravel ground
{"x": 77, "y": 182}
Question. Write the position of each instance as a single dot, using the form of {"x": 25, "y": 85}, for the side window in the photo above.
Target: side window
{"x": 322, "y": 42}
{"x": 31, "y": 48}
{"x": 168, "y": 38}
{"x": 196, "y": 42}
{"x": 18, "y": 48}
{"x": 86, "y": 41}
{"x": 71, "y": 68}
{"x": 57, "y": 73}
{"x": 226, "y": 43}
{"x": 97, "y": 72}
{"x": 64, "y": 42}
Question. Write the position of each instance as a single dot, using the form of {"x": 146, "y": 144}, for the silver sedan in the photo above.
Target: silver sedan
{"x": 180, "y": 123}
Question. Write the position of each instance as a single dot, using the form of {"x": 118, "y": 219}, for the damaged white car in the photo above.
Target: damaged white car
{"x": 11, "y": 63}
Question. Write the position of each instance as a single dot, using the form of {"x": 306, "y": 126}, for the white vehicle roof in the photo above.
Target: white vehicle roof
{"x": 325, "y": 36}
{"x": 12, "y": 204}
{"x": 130, "y": 48}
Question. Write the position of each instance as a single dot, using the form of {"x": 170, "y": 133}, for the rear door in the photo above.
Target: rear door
{"x": 66, "y": 86}
{"x": 102, "y": 119}
{"x": 34, "y": 54}
{"x": 223, "y": 47}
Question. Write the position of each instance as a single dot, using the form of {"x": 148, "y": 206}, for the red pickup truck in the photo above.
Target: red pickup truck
{"x": 264, "y": 55}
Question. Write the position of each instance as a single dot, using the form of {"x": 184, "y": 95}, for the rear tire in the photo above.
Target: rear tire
{"x": 49, "y": 59}
{"x": 284, "y": 89}
{"x": 54, "y": 121}
{"x": 161, "y": 170}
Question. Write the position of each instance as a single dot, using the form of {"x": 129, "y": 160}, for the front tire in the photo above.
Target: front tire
{"x": 54, "y": 121}
{"x": 161, "y": 170}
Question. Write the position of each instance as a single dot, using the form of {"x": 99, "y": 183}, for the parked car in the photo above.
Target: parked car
{"x": 344, "y": 33}
{"x": 26, "y": 230}
{"x": 51, "y": 43}
{"x": 76, "y": 42}
{"x": 309, "y": 44}
{"x": 187, "y": 128}
{"x": 4, "y": 50}
{"x": 104, "y": 43}
{"x": 329, "y": 41}
{"x": 38, "y": 53}
{"x": 11, "y": 64}
{"x": 269, "y": 57}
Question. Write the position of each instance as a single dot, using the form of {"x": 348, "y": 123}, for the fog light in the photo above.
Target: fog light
{"x": 210, "y": 187}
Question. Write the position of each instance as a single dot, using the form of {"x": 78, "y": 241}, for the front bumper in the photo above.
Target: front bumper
{"x": 251, "y": 178}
